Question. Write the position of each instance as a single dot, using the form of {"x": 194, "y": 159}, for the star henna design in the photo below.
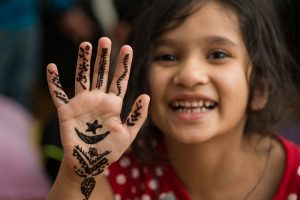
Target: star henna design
{"x": 92, "y": 127}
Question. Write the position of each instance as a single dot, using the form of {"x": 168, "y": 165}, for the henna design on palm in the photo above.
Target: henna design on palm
{"x": 91, "y": 164}
{"x": 93, "y": 139}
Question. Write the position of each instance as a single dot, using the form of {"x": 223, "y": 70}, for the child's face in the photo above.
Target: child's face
{"x": 199, "y": 77}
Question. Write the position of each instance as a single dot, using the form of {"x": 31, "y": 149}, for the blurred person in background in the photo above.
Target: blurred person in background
{"x": 82, "y": 25}
{"x": 21, "y": 42}
{"x": 22, "y": 174}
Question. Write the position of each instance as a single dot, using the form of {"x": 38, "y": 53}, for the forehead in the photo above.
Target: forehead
{"x": 208, "y": 19}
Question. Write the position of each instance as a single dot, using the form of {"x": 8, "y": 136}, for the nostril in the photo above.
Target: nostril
{"x": 190, "y": 79}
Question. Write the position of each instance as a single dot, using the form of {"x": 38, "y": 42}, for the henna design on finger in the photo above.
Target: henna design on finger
{"x": 125, "y": 64}
{"x": 55, "y": 81}
{"x": 134, "y": 117}
{"x": 92, "y": 127}
{"x": 61, "y": 96}
{"x": 102, "y": 65}
{"x": 91, "y": 164}
{"x": 83, "y": 67}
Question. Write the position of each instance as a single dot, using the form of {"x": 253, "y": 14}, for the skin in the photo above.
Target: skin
{"x": 93, "y": 105}
{"x": 211, "y": 64}
{"x": 208, "y": 150}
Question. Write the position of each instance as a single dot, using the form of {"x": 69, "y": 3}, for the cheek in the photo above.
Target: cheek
{"x": 157, "y": 83}
{"x": 234, "y": 88}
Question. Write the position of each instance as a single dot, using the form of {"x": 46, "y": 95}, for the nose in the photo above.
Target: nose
{"x": 191, "y": 73}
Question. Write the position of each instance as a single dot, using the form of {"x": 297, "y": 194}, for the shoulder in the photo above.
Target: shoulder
{"x": 289, "y": 187}
{"x": 131, "y": 179}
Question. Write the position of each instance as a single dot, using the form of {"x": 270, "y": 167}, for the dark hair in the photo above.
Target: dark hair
{"x": 259, "y": 26}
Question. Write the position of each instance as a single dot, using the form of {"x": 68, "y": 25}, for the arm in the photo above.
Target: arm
{"x": 92, "y": 133}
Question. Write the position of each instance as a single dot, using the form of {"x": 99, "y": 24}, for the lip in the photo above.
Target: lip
{"x": 190, "y": 97}
{"x": 189, "y": 116}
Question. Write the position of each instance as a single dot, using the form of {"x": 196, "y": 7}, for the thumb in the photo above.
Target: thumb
{"x": 137, "y": 115}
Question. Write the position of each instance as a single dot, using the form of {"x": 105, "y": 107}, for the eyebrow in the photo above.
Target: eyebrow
{"x": 220, "y": 40}
{"x": 214, "y": 39}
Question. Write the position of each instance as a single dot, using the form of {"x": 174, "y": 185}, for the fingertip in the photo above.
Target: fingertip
{"x": 51, "y": 67}
{"x": 104, "y": 41}
{"x": 145, "y": 98}
{"x": 86, "y": 45}
{"x": 127, "y": 48}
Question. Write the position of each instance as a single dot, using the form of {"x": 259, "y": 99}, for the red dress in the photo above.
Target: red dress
{"x": 132, "y": 181}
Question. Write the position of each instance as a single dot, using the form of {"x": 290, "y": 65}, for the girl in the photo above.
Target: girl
{"x": 216, "y": 74}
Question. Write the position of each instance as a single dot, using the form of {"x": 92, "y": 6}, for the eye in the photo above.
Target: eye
{"x": 166, "y": 57}
{"x": 218, "y": 55}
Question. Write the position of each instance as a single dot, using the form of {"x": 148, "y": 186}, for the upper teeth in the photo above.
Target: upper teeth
{"x": 193, "y": 104}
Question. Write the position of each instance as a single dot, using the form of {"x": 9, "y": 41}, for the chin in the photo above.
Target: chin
{"x": 191, "y": 138}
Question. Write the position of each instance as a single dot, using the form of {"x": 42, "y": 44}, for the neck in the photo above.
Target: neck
{"x": 212, "y": 167}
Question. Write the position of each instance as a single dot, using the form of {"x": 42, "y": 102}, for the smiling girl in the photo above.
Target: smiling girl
{"x": 216, "y": 75}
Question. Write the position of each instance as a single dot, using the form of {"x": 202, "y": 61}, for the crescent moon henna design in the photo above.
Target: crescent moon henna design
{"x": 92, "y": 127}
{"x": 102, "y": 64}
{"x": 91, "y": 164}
{"x": 134, "y": 117}
{"x": 91, "y": 139}
{"x": 83, "y": 67}
{"x": 55, "y": 81}
{"x": 125, "y": 64}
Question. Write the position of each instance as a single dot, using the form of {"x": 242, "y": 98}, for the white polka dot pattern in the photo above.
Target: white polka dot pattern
{"x": 106, "y": 172}
{"x": 145, "y": 197}
{"x": 117, "y": 197}
{"x": 159, "y": 171}
{"x": 292, "y": 197}
{"x": 135, "y": 173}
{"x": 121, "y": 179}
{"x": 125, "y": 162}
{"x": 153, "y": 184}
{"x": 298, "y": 171}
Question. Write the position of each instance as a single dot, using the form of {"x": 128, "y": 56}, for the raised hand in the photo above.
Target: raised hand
{"x": 92, "y": 133}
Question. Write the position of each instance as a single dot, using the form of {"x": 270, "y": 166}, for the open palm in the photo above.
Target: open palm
{"x": 92, "y": 133}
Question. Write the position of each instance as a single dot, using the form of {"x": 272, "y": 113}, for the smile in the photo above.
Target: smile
{"x": 193, "y": 106}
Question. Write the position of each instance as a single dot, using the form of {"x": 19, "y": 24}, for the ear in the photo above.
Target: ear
{"x": 260, "y": 97}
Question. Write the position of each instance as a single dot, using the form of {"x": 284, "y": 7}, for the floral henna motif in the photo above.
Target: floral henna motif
{"x": 91, "y": 164}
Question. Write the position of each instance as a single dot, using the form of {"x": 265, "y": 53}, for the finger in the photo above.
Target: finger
{"x": 101, "y": 68}
{"x": 138, "y": 115}
{"x": 120, "y": 80}
{"x": 58, "y": 95}
{"x": 82, "y": 77}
